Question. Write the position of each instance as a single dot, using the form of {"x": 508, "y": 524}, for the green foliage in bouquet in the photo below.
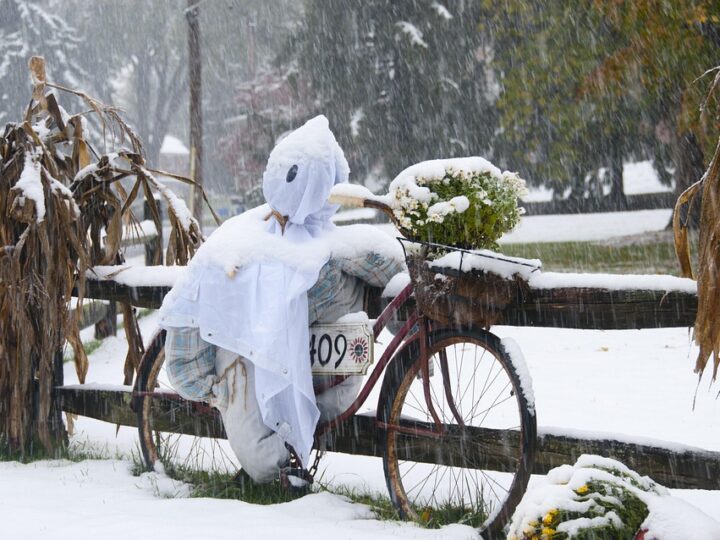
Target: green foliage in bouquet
{"x": 469, "y": 209}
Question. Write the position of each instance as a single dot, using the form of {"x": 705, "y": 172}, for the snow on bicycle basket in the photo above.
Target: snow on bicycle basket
{"x": 453, "y": 211}
{"x": 341, "y": 348}
{"x": 463, "y": 287}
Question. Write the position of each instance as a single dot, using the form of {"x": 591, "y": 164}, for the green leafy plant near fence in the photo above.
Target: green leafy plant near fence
{"x": 595, "y": 499}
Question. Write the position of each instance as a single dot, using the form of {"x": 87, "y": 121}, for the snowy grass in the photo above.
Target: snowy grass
{"x": 656, "y": 255}
{"x": 225, "y": 486}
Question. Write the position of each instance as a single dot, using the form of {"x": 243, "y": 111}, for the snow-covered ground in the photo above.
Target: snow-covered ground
{"x": 638, "y": 177}
{"x": 600, "y": 226}
{"x": 637, "y": 383}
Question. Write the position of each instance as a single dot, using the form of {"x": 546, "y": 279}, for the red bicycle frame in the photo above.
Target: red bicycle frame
{"x": 416, "y": 328}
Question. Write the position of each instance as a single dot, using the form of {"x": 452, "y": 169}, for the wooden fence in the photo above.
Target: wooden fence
{"x": 103, "y": 314}
{"x": 671, "y": 465}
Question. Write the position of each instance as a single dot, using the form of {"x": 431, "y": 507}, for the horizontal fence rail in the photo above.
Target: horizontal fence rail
{"x": 673, "y": 466}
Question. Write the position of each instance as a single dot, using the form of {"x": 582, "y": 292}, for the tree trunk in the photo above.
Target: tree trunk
{"x": 195, "y": 76}
{"x": 618, "y": 201}
{"x": 689, "y": 168}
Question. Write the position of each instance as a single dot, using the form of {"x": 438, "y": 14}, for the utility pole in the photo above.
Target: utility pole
{"x": 195, "y": 75}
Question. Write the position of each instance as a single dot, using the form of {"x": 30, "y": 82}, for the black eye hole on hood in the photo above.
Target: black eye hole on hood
{"x": 292, "y": 173}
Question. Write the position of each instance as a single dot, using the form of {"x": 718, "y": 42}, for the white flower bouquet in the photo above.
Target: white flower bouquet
{"x": 465, "y": 202}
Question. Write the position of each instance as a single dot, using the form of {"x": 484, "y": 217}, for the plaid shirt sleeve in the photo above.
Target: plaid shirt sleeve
{"x": 372, "y": 268}
{"x": 340, "y": 282}
{"x": 190, "y": 364}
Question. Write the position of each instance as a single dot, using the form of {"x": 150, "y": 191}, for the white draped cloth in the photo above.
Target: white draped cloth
{"x": 246, "y": 288}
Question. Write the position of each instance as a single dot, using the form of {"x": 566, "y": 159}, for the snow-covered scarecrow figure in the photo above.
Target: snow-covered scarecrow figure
{"x": 237, "y": 322}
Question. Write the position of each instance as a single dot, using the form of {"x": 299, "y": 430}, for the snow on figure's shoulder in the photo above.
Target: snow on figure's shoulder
{"x": 244, "y": 239}
{"x": 352, "y": 241}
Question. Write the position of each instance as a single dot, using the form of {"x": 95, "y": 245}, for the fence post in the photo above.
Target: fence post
{"x": 107, "y": 326}
{"x": 154, "y": 247}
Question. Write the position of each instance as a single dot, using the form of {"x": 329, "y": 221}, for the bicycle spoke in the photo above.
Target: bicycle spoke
{"x": 481, "y": 390}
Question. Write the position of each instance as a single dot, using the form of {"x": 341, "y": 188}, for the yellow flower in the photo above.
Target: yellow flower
{"x": 547, "y": 533}
{"x": 582, "y": 490}
{"x": 550, "y": 517}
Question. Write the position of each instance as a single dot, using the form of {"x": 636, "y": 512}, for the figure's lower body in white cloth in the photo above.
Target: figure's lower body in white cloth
{"x": 262, "y": 451}
{"x": 200, "y": 371}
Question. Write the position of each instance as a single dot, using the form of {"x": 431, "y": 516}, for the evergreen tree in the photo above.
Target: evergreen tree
{"x": 551, "y": 128}
{"x": 666, "y": 48}
{"x": 588, "y": 85}
{"x": 400, "y": 81}
{"x": 27, "y": 29}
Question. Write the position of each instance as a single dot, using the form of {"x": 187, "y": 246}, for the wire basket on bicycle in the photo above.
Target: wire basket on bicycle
{"x": 460, "y": 287}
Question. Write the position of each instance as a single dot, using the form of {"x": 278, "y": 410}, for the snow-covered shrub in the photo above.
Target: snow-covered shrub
{"x": 597, "y": 498}
{"x": 464, "y": 202}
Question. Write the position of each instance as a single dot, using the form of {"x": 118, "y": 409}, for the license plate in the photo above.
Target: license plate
{"x": 341, "y": 349}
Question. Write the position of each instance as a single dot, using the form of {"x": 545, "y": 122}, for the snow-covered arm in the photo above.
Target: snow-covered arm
{"x": 374, "y": 269}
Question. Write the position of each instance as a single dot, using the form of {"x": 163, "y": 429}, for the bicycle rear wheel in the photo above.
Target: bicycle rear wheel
{"x": 173, "y": 430}
{"x": 477, "y": 469}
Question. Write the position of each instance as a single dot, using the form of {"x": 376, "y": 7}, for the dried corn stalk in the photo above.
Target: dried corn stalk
{"x": 43, "y": 254}
{"x": 707, "y": 320}
{"x": 105, "y": 207}
{"x": 62, "y": 211}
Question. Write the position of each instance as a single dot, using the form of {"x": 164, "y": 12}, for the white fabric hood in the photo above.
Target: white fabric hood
{"x": 246, "y": 288}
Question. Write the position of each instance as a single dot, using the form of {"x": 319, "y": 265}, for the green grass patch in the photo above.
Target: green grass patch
{"x": 379, "y": 503}
{"x": 75, "y": 452}
{"x": 224, "y": 486}
{"x": 430, "y": 518}
{"x": 89, "y": 346}
{"x": 34, "y": 452}
{"x": 651, "y": 257}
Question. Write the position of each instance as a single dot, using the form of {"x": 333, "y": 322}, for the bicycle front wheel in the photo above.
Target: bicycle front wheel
{"x": 474, "y": 469}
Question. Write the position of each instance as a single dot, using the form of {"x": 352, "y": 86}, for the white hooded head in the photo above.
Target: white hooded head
{"x": 301, "y": 170}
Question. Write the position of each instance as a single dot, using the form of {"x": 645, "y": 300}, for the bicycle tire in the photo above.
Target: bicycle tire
{"x": 413, "y": 474}
{"x": 195, "y": 438}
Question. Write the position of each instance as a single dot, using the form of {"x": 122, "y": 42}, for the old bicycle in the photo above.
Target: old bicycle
{"x": 451, "y": 413}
